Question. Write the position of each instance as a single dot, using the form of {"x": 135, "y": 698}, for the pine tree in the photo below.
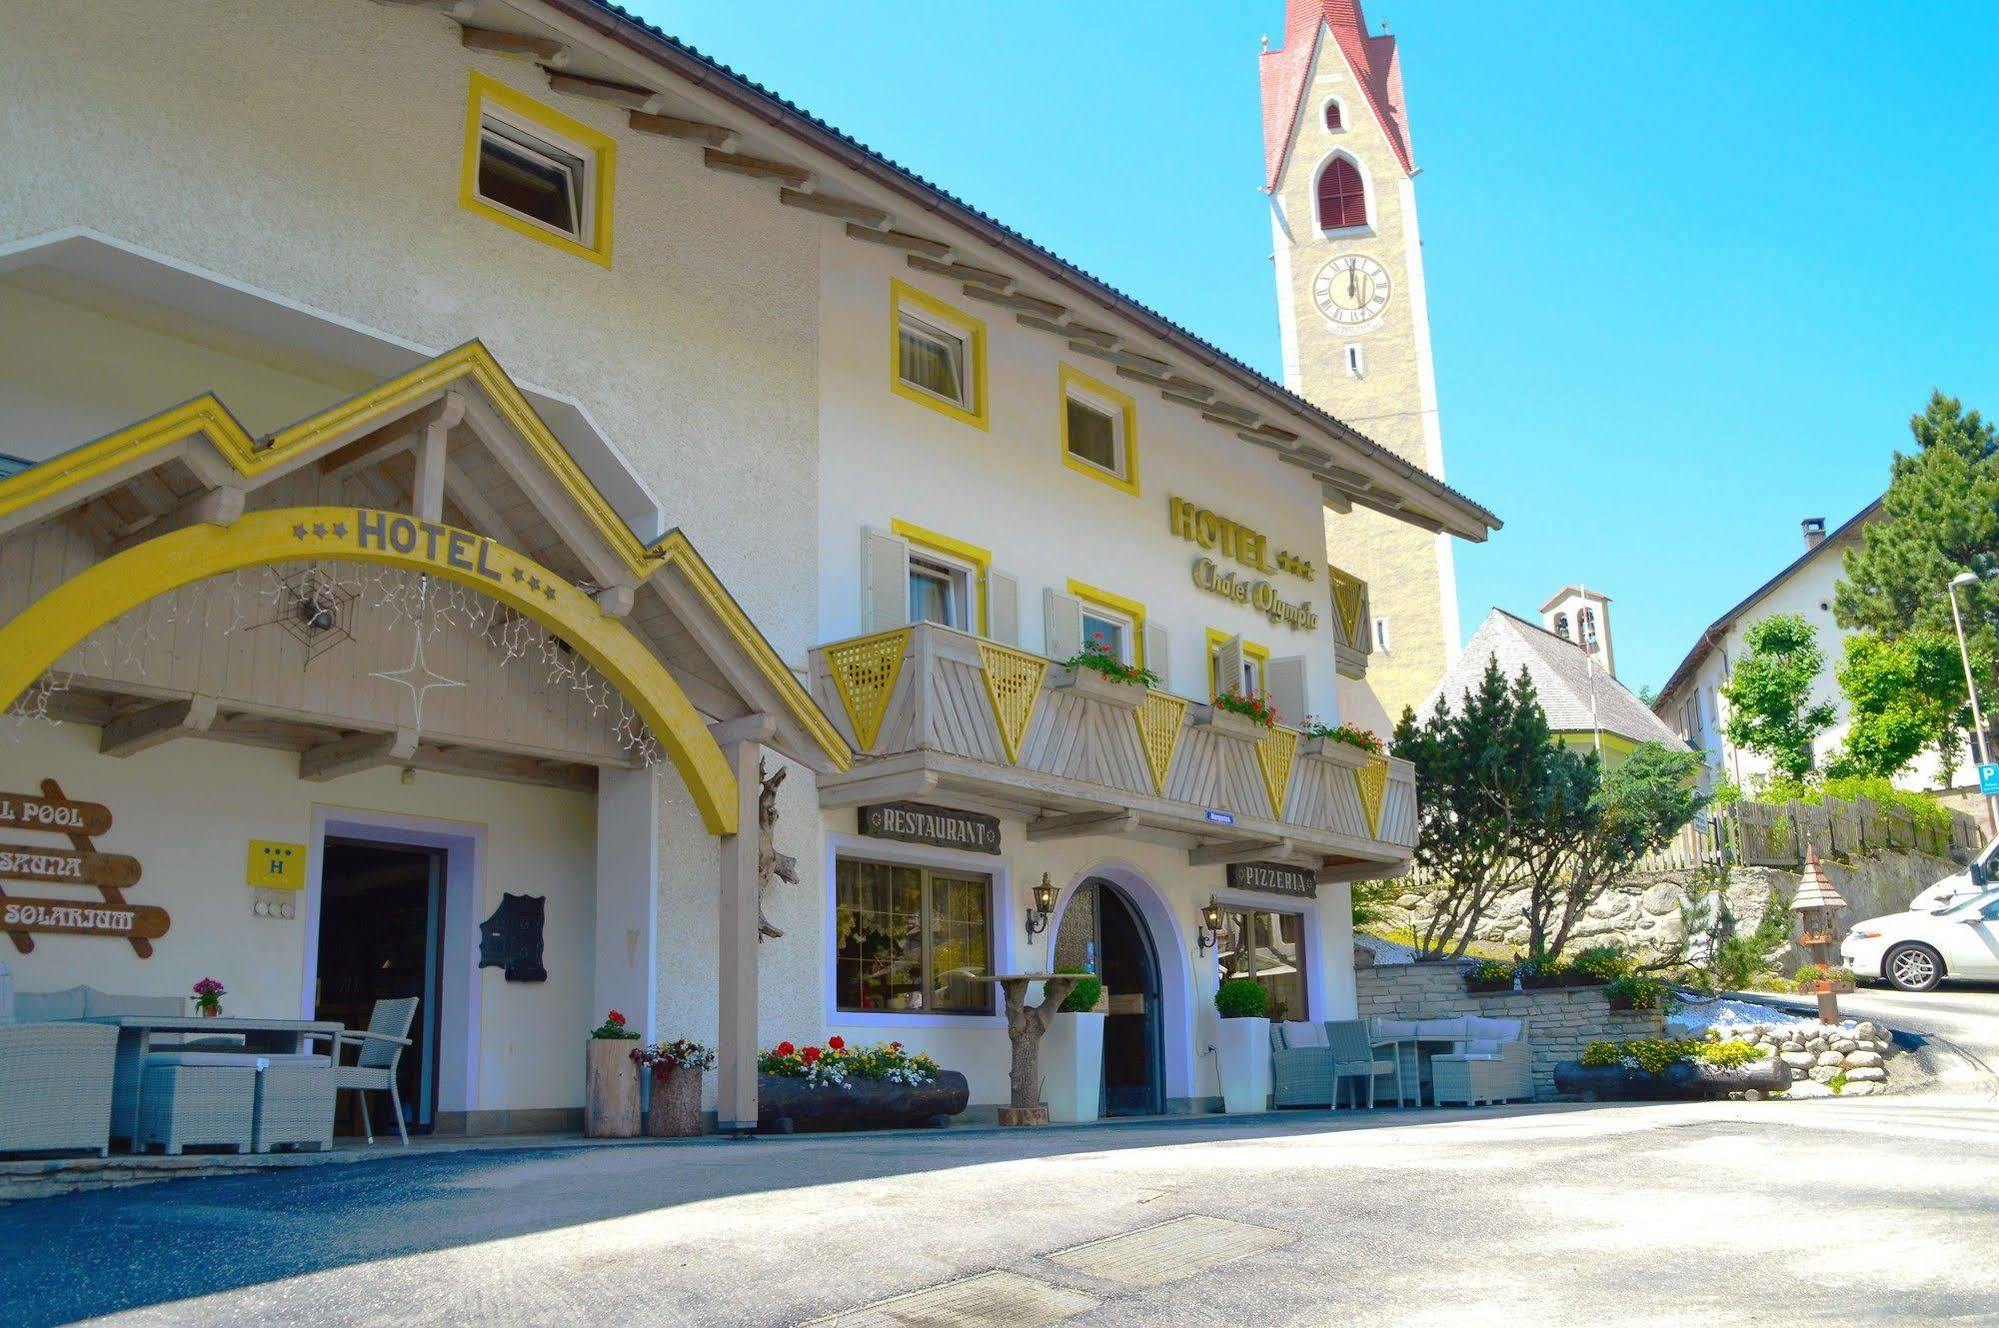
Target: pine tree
{"x": 1939, "y": 517}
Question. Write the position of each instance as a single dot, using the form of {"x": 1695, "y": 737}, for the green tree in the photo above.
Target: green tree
{"x": 1770, "y": 710}
{"x": 1480, "y": 771}
{"x": 1906, "y": 696}
{"x": 1939, "y": 517}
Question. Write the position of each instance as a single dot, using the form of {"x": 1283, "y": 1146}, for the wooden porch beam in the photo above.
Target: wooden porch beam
{"x": 361, "y": 751}
{"x": 762, "y": 168}
{"x": 894, "y": 239}
{"x": 960, "y": 271}
{"x": 217, "y": 507}
{"x": 598, "y": 89}
{"x": 143, "y": 729}
{"x": 1075, "y": 825}
{"x": 757, "y": 727}
{"x": 1240, "y": 850}
{"x": 673, "y": 126}
{"x": 831, "y": 205}
{"x": 1016, "y": 300}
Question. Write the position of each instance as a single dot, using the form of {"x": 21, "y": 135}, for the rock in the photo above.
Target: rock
{"x": 1407, "y": 901}
{"x": 1864, "y": 1059}
{"x": 1797, "y": 1072}
{"x": 1797, "y": 1060}
{"x": 1831, "y": 1058}
{"x": 1661, "y": 899}
{"x": 1867, "y": 1074}
{"x": 1816, "y": 1044}
{"x": 1844, "y": 1045}
{"x": 1822, "y": 1074}
{"x": 1864, "y": 1089}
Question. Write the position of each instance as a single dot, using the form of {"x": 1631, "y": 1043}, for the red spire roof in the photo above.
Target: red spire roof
{"x": 1287, "y": 71}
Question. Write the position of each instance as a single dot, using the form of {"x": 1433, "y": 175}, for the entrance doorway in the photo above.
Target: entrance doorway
{"x": 381, "y": 936}
{"x": 1102, "y": 930}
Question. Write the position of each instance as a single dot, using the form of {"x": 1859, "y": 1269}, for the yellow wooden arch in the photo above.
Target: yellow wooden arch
{"x": 54, "y": 624}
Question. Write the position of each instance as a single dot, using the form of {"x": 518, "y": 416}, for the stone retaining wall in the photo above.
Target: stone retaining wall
{"x": 1559, "y": 1022}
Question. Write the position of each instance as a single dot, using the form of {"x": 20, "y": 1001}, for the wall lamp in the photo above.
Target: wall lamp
{"x": 1211, "y": 926}
{"x": 1044, "y": 904}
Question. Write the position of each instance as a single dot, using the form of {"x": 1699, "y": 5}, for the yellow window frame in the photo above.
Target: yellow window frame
{"x": 980, "y": 559}
{"x": 1250, "y": 650}
{"x": 901, "y": 295}
{"x": 1127, "y": 408}
{"x": 1129, "y": 608}
{"x": 603, "y": 150}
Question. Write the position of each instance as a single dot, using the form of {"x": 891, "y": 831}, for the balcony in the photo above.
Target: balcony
{"x": 930, "y": 710}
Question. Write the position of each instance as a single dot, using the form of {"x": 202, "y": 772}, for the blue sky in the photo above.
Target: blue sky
{"x": 1691, "y": 266}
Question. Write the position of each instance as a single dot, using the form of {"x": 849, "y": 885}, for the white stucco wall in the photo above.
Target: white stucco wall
{"x": 1007, "y": 490}
{"x": 187, "y": 811}
{"x": 1170, "y": 895}
{"x": 311, "y": 150}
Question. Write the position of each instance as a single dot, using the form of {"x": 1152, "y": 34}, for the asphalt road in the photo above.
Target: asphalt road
{"x": 1860, "y": 1211}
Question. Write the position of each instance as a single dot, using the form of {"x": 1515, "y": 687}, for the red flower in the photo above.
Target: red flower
{"x": 895, "y": 1046}
{"x": 785, "y": 1049}
{"x": 809, "y": 1055}
{"x": 837, "y": 1043}
{"x": 615, "y": 1018}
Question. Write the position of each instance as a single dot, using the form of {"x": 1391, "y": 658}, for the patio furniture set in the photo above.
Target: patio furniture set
{"x": 82, "y": 1067}
{"x": 1466, "y": 1060}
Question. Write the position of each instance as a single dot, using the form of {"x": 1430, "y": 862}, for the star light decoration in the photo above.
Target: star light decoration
{"x": 417, "y": 675}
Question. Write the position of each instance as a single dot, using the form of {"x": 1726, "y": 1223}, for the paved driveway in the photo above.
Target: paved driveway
{"x": 1870, "y": 1211}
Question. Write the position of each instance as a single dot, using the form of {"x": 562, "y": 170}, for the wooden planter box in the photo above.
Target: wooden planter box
{"x": 1825, "y": 988}
{"x": 1680, "y": 1081}
{"x": 675, "y": 1109}
{"x": 611, "y": 1089}
{"x": 1332, "y": 749}
{"x": 1094, "y": 685}
{"x": 1228, "y": 723}
{"x": 785, "y": 1104}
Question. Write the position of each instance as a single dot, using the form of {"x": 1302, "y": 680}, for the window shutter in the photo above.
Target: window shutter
{"x": 1003, "y": 608}
{"x": 884, "y": 580}
{"x": 1286, "y": 680}
{"x": 1155, "y": 653}
{"x": 1062, "y": 623}
{"x": 1342, "y": 196}
{"x": 1228, "y": 666}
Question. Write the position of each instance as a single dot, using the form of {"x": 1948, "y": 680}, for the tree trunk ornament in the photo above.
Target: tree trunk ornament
{"x": 770, "y": 862}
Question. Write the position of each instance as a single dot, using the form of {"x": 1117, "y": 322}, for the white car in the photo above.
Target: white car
{"x": 1917, "y": 949}
{"x": 1975, "y": 879}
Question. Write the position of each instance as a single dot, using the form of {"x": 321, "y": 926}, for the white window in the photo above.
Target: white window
{"x": 1096, "y": 435}
{"x": 932, "y": 359}
{"x": 1381, "y": 635}
{"x": 1356, "y": 363}
{"x": 529, "y": 173}
{"x": 1109, "y": 628}
{"x": 940, "y": 590}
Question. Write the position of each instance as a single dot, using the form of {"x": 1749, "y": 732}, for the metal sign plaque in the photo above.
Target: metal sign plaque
{"x": 1273, "y": 879}
{"x": 940, "y": 827}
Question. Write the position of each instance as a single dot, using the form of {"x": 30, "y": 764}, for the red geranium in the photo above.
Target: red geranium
{"x": 809, "y": 1055}
{"x": 837, "y": 1043}
{"x": 785, "y": 1049}
{"x": 616, "y": 1018}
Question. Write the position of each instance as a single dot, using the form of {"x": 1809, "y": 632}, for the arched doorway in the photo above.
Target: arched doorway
{"x": 1104, "y": 930}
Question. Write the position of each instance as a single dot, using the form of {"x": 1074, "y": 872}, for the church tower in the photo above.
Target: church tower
{"x": 1350, "y": 297}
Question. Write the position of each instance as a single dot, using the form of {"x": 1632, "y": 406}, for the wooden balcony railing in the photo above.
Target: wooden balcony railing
{"x": 926, "y": 708}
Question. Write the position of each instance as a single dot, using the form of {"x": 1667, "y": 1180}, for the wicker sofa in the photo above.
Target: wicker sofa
{"x": 1493, "y": 1062}
{"x": 56, "y": 1075}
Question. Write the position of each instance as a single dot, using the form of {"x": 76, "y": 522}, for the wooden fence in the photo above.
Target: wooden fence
{"x": 1779, "y": 835}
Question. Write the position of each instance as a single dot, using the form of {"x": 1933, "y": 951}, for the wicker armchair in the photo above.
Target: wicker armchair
{"x": 1495, "y": 1064}
{"x": 377, "y": 1049}
{"x": 1354, "y": 1057}
{"x": 55, "y": 1086}
{"x": 1301, "y": 1066}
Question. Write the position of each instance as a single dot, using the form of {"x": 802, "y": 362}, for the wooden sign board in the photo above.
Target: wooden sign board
{"x": 67, "y": 866}
{"x": 123, "y": 921}
{"x": 942, "y": 827}
{"x": 1273, "y": 878}
{"x": 27, "y": 811}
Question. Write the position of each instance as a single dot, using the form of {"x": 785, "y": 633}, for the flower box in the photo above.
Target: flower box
{"x": 1681, "y": 1080}
{"x": 1228, "y": 723}
{"x": 1089, "y": 683}
{"x": 1332, "y": 749}
{"x": 786, "y": 1103}
{"x": 1835, "y": 988}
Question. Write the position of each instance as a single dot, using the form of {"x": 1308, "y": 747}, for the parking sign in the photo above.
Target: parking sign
{"x": 1988, "y": 779}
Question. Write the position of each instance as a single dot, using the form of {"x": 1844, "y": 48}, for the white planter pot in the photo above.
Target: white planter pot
{"x": 1072, "y": 1067}
{"x": 1095, "y": 686}
{"x": 1242, "y": 1056}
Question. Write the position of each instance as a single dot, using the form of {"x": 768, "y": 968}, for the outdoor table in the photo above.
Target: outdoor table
{"x": 1415, "y": 1045}
{"x": 1024, "y": 1027}
{"x": 270, "y": 1036}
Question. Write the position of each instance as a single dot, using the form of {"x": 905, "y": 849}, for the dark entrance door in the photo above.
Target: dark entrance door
{"x": 1133, "y": 1056}
{"x": 381, "y": 929}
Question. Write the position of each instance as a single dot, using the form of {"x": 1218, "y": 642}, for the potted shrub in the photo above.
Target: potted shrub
{"x": 1633, "y": 992}
{"x": 1822, "y": 980}
{"x": 837, "y": 1087}
{"x": 1096, "y": 673}
{"x": 1072, "y": 1054}
{"x": 611, "y": 1081}
{"x": 1242, "y": 1045}
{"x": 1348, "y": 740}
{"x": 1601, "y": 963}
{"x": 675, "y": 1069}
{"x": 208, "y": 994}
{"x": 1239, "y": 716}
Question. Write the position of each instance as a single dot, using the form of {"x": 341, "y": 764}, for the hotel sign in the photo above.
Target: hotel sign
{"x": 941, "y": 827}
{"x": 80, "y": 865}
{"x": 1273, "y": 879}
{"x": 1233, "y": 542}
